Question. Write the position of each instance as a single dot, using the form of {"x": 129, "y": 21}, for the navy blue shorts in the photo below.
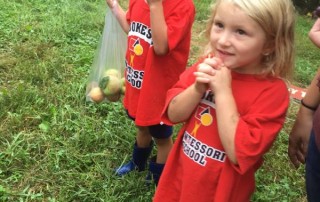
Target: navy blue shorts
{"x": 159, "y": 131}
{"x": 313, "y": 170}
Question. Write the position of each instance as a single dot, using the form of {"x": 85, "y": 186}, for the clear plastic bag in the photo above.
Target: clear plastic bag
{"x": 106, "y": 79}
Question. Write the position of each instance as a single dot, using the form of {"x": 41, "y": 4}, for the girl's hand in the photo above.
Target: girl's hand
{"x": 214, "y": 62}
{"x": 221, "y": 81}
{"x": 111, "y": 3}
{"x": 206, "y": 72}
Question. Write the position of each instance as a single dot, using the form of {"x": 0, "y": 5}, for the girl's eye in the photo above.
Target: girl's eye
{"x": 241, "y": 32}
{"x": 218, "y": 25}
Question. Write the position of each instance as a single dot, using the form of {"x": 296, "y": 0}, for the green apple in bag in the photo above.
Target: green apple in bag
{"x": 110, "y": 85}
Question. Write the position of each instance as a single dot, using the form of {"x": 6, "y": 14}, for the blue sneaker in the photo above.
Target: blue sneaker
{"x": 126, "y": 168}
{"x": 138, "y": 162}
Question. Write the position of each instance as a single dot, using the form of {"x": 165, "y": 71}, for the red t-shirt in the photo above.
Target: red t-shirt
{"x": 149, "y": 76}
{"x": 198, "y": 168}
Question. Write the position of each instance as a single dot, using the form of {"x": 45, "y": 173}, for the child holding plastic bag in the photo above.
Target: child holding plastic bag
{"x": 233, "y": 103}
{"x": 159, "y": 34}
{"x": 105, "y": 82}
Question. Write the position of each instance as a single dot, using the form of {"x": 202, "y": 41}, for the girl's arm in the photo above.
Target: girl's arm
{"x": 300, "y": 132}
{"x": 314, "y": 33}
{"x": 158, "y": 27}
{"x": 219, "y": 81}
{"x": 211, "y": 73}
{"x": 119, "y": 13}
{"x": 181, "y": 107}
{"x": 226, "y": 110}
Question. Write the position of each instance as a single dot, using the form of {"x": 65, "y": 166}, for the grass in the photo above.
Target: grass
{"x": 55, "y": 146}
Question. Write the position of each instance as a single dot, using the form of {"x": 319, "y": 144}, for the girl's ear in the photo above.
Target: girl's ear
{"x": 266, "y": 53}
{"x": 268, "y": 49}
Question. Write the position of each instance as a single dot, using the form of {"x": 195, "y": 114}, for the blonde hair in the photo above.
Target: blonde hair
{"x": 277, "y": 19}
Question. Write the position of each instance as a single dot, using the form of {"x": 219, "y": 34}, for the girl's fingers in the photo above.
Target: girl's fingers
{"x": 200, "y": 74}
{"x": 202, "y": 80}
{"x": 207, "y": 69}
{"x": 208, "y": 74}
{"x": 203, "y": 67}
{"x": 215, "y": 62}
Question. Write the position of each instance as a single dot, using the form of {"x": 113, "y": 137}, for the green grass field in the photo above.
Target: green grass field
{"x": 55, "y": 146}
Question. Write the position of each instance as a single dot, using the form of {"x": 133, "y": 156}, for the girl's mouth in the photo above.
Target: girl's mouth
{"x": 223, "y": 54}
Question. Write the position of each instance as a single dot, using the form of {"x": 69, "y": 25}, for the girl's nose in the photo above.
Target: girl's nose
{"x": 224, "y": 39}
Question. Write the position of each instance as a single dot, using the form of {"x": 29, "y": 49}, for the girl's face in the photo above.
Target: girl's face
{"x": 237, "y": 39}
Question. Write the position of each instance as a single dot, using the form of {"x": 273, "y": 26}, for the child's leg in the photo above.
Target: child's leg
{"x": 141, "y": 152}
{"x": 162, "y": 136}
{"x": 163, "y": 146}
{"x": 143, "y": 137}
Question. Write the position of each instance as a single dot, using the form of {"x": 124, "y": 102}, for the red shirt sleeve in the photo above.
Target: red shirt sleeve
{"x": 179, "y": 23}
{"x": 257, "y": 130}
